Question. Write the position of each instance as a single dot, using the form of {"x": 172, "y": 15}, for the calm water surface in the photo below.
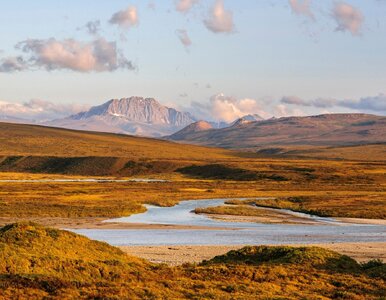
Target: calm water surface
{"x": 328, "y": 230}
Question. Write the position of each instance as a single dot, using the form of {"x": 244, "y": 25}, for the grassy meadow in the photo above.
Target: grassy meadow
{"x": 38, "y": 262}
{"x": 330, "y": 187}
{"x": 112, "y": 199}
{"x": 44, "y": 263}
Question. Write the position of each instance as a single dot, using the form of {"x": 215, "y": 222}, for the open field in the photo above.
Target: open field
{"x": 44, "y": 150}
{"x": 373, "y": 152}
{"x": 321, "y": 205}
{"x": 326, "y": 187}
{"x": 111, "y": 199}
{"x": 57, "y": 264}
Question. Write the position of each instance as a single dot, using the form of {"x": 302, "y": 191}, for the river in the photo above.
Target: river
{"x": 326, "y": 230}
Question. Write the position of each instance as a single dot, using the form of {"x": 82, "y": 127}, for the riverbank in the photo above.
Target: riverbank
{"x": 99, "y": 223}
{"x": 276, "y": 216}
{"x": 177, "y": 255}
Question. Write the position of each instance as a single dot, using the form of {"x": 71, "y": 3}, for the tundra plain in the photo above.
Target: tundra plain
{"x": 32, "y": 189}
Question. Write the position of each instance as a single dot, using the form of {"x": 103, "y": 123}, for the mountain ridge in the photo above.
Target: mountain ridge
{"x": 325, "y": 129}
{"x": 133, "y": 115}
{"x": 138, "y": 109}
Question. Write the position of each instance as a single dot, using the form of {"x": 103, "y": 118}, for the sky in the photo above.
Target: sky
{"x": 219, "y": 59}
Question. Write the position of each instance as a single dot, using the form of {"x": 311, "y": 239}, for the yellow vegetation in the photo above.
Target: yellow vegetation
{"x": 39, "y": 262}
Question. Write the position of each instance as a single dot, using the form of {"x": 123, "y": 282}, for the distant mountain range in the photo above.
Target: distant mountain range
{"x": 202, "y": 125}
{"x": 134, "y": 116}
{"x": 322, "y": 130}
{"x": 147, "y": 117}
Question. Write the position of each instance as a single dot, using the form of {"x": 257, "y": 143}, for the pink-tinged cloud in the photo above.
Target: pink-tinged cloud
{"x": 222, "y": 108}
{"x": 348, "y": 18}
{"x": 219, "y": 19}
{"x": 372, "y": 103}
{"x": 318, "y": 102}
{"x": 125, "y": 18}
{"x": 12, "y": 64}
{"x": 39, "y": 110}
{"x": 301, "y": 7}
{"x": 184, "y": 37}
{"x": 185, "y": 5}
{"x": 96, "y": 56}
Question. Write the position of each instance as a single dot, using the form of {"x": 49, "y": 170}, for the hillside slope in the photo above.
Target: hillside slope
{"x": 21, "y": 139}
{"x": 45, "y": 263}
{"x": 322, "y": 130}
{"x": 51, "y": 150}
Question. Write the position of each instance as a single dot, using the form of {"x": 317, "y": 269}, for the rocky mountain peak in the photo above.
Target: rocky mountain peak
{"x": 133, "y": 115}
{"x": 138, "y": 109}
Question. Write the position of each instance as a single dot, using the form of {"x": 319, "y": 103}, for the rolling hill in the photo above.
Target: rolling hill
{"x": 32, "y": 148}
{"x": 45, "y": 263}
{"x": 321, "y": 130}
{"x": 34, "y": 140}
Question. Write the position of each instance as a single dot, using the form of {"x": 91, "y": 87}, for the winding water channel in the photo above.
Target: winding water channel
{"x": 326, "y": 230}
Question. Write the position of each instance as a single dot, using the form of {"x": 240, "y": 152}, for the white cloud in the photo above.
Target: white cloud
{"x": 281, "y": 110}
{"x": 39, "y": 110}
{"x": 348, "y": 18}
{"x": 125, "y": 18}
{"x": 12, "y": 64}
{"x": 51, "y": 54}
{"x": 319, "y": 102}
{"x": 219, "y": 20}
{"x": 375, "y": 104}
{"x": 301, "y": 7}
{"x": 184, "y": 37}
{"x": 222, "y": 108}
{"x": 184, "y": 5}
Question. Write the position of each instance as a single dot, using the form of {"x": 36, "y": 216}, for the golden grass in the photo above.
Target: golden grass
{"x": 36, "y": 262}
{"x": 375, "y": 152}
{"x": 332, "y": 187}
{"x": 234, "y": 210}
{"x": 371, "y": 205}
{"x": 31, "y": 140}
{"x": 110, "y": 199}
{"x": 39, "y": 262}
